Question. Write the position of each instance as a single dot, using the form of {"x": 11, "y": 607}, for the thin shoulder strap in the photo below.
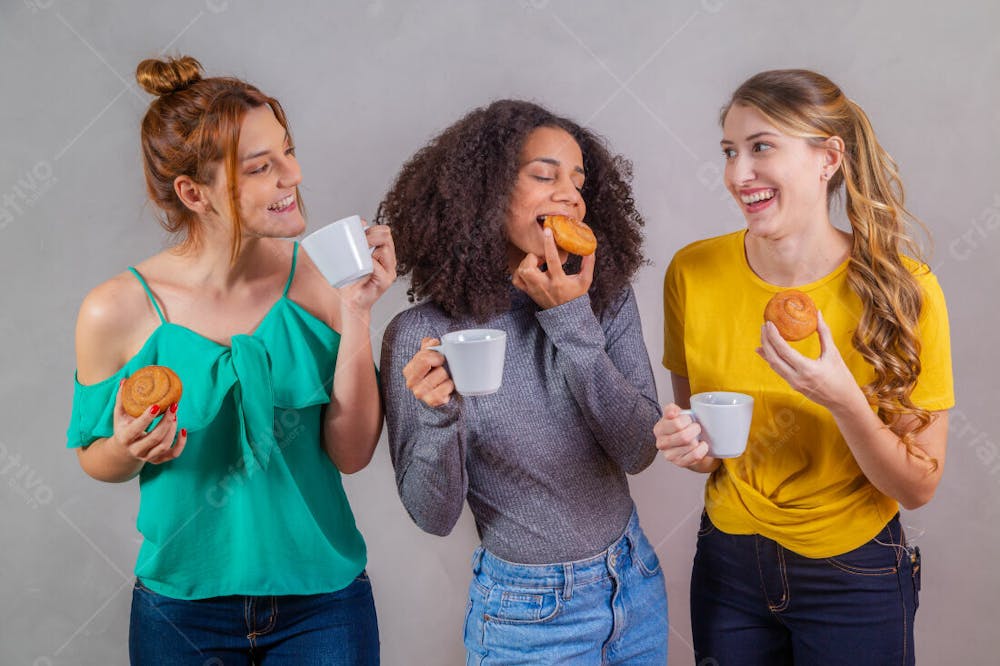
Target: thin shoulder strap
{"x": 291, "y": 274}
{"x": 149, "y": 293}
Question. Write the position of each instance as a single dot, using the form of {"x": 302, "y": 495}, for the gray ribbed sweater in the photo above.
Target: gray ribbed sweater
{"x": 542, "y": 462}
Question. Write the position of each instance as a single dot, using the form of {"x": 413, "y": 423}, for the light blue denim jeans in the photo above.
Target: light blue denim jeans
{"x": 607, "y": 609}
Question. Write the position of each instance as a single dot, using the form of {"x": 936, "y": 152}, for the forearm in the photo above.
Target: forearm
{"x": 432, "y": 479}
{"x": 610, "y": 379}
{"x": 353, "y": 420}
{"x": 882, "y": 455}
{"x": 105, "y": 460}
{"x": 427, "y": 445}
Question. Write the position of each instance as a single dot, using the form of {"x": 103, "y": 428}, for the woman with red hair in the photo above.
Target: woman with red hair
{"x": 250, "y": 548}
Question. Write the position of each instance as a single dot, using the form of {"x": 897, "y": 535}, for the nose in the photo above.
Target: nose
{"x": 566, "y": 192}
{"x": 740, "y": 171}
{"x": 291, "y": 172}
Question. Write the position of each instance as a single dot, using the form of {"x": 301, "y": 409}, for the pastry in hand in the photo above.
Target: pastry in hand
{"x": 148, "y": 386}
{"x": 793, "y": 313}
{"x": 571, "y": 235}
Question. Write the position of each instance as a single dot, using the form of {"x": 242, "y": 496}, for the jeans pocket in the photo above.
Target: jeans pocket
{"x": 645, "y": 557}
{"x": 878, "y": 557}
{"x": 522, "y": 606}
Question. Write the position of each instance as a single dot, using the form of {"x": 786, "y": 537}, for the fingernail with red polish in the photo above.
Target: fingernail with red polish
{"x": 184, "y": 432}
{"x": 154, "y": 410}
{"x": 173, "y": 408}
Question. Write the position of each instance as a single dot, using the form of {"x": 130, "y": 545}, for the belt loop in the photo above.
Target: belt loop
{"x": 567, "y": 582}
{"x": 477, "y": 560}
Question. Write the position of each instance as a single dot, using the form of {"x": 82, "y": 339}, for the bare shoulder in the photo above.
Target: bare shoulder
{"x": 109, "y": 320}
{"x": 311, "y": 290}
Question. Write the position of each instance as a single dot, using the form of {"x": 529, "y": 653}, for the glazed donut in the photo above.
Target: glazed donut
{"x": 148, "y": 386}
{"x": 793, "y": 313}
{"x": 571, "y": 235}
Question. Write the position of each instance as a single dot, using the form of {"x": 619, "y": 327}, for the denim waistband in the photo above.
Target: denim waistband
{"x": 560, "y": 574}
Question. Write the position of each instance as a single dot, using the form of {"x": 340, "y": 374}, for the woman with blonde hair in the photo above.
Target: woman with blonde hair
{"x": 801, "y": 558}
{"x": 250, "y": 552}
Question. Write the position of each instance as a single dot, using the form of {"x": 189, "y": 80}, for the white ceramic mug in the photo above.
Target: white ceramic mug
{"x": 475, "y": 359}
{"x": 725, "y": 421}
{"x": 340, "y": 251}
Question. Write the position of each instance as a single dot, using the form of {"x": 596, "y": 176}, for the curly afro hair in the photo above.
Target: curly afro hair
{"x": 447, "y": 211}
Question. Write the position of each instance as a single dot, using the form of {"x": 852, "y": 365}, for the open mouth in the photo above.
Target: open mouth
{"x": 759, "y": 199}
{"x": 285, "y": 205}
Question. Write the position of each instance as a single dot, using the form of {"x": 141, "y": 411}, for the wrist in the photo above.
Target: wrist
{"x": 355, "y": 315}
{"x": 118, "y": 450}
{"x": 852, "y": 403}
{"x": 706, "y": 465}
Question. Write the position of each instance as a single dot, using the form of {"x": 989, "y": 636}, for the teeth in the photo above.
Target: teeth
{"x": 763, "y": 195}
{"x": 284, "y": 203}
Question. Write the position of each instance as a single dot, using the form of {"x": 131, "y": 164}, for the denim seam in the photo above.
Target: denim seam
{"x": 617, "y": 622}
{"x": 541, "y": 620}
{"x": 535, "y": 585}
{"x": 274, "y": 618}
{"x": 786, "y": 594}
{"x": 760, "y": 570}
{"x": 569, "y": 579}
{"x": 247, "y": 603}
{"x": 862, "y": 571}
{"x": 902, "y": 608}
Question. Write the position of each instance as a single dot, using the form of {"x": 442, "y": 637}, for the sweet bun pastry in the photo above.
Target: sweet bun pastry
{"x": 571, "y": 235}
{"x": 148, "y": 386}
{"x": 793, "y": 313}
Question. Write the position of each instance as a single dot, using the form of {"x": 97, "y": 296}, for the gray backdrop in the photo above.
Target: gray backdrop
{"x": 367, "y": 83}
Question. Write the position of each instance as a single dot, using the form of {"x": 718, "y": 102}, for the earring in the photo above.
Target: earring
{"x": 826, "y": 176}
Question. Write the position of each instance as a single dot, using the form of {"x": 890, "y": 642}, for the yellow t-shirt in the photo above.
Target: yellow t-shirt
{"x": 798, "y": 482}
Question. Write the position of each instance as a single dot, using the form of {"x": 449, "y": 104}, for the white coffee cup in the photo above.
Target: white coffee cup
{"x": 725, "y": 421}
{"x": 475, "y": 359}
{"x": 340, "y": 251}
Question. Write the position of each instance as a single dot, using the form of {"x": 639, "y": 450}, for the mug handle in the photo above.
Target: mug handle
{"x": 437, "y": 348}
{"x": 690, "y": 413}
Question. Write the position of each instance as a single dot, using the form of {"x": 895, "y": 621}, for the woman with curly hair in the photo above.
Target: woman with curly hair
{"x": 564, "y": 572}
{"x": 801, "y": 558}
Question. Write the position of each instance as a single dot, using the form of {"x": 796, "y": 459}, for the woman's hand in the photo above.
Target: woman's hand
{"x": 359, "y": 297}
{"x": 553, "y": 287}
{"x": 130, "y": 436}
{"x": 426, "y": 377}
{"x": 677, "y": 437}
{"x": 826, "y": 380}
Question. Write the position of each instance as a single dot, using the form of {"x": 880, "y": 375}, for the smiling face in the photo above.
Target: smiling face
{"x": 549, "y": 181}
{"x": 267, "y": 175}
{"x": 778, "y": 180}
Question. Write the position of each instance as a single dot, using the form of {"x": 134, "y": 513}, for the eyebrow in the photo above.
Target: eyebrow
{"x": 727, "y": 142}
{"x": 261, "y": 153}
{"x": 555, "y": 162}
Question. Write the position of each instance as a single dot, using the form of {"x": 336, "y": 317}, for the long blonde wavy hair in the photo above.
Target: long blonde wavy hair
{"x": 808, "y": 105}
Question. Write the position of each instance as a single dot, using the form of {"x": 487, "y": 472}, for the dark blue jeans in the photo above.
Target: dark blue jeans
{"x": 754, "y": 602}
{"x": 338, "y": 628}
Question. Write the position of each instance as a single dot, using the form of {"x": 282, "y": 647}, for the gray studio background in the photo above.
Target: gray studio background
{"x": 367, "y": 83}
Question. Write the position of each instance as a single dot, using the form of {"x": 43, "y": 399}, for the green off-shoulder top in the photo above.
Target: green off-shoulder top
{"x": 253, "y": 505}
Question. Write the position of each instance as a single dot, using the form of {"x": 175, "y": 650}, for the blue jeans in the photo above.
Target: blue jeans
{"x": 338, "y": 628}
{"x": 755, "y": 602}
{"x": 608, "y": 609}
